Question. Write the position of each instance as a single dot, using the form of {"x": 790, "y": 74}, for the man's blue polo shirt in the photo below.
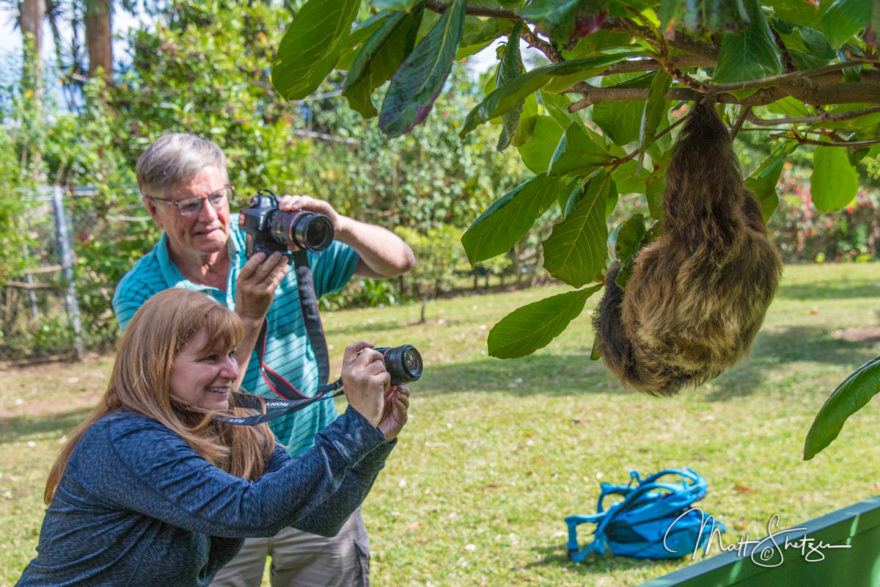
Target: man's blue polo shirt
{"x": 288, "y": 351}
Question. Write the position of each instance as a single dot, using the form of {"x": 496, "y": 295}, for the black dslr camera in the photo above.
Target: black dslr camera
{"x": 403, "y": 363}
{"x": 273, "y": 230}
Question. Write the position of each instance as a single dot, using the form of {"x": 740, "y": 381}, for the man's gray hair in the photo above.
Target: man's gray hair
{"x": 174, "y": 159}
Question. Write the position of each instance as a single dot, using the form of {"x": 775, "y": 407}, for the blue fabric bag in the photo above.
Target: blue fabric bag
{"x": 655, "y": 519}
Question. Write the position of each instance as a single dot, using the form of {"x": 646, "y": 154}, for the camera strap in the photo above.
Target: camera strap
{"x": 308, "y": 302}
{"x": 279, "y": 407}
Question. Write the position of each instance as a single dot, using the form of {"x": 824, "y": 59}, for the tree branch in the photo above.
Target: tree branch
{"x": 824, "y": 117}
{"x": 541, "y": 45}
{"x": 852, "y": 145}
{"x": 440, "y": 7}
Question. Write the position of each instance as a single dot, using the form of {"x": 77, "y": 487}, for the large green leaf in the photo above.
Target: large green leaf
{"x": 576, "y": 250}
{"x": 532, "y": 327}
{"x": 762, "y": 183}
{"x": 379, "y": 58}
{"x": 557, "y": 107}
{"x": 509, "y": 68}
{"x": 563, "y": 20}
{"x": 751, "y": 54}
{"x": 577, "y": 153}
{"x": 619, "y": 120}
{"x": 834, "y": 181}
{"x": 703, "y": 16}
{"x": 510, "y": 218}
{"x": 395, "y": 4}
{"x": 508, "y": 96}
{"x": 360, "y": 32}
{"x": 418, "y": 82}
{"x": 536, "y": 153}
{"x": 312, "y": 46}
{"x": 849, "y": 397}
{"x": 845, "y": 18}
{"x": 654, "y": 112}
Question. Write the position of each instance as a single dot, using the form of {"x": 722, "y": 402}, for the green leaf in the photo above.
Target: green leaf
{"x": 703, "y": 16}
{"x": 576, "y": 251}
{"x": 577, "y": 153}
{"x": 508, "y": 96}
{"x": 360, "y": 32}
{"x": 509, "y": 68}
{"x": 762, "y": 183}
{"x": 510, "y": 218}
{"x": 379, "y": 58}
{"x": 630, "y": 178}
{"x": 846, "y": 18}
{"x": 557, "y": 107}
{"x": 654, "y": 112}
{"x": 563, "y": 20}
{"x": 654, "y": 196}
{"x": 834, "y": 181}
{"x": 418, "y": 82}
{"x": 751, "y": 54}
{"x": 626, "y": 239}
{"x": 816, "y": 42}
{"x": 619, "y": 120}
{"x": 532, "y": 327}
{"x": 849, "y": 397}
{"x": 394, "y": 4}
{"x": 312, "y": 46}
{"x": 536, "y": 153}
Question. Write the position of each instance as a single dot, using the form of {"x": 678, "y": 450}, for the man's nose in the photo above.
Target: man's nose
{"x": 207, "y": 213}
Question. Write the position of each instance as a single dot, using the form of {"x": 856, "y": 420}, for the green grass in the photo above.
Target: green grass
{"x": 497, "y": 453}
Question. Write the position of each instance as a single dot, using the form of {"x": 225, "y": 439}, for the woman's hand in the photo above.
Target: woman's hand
{"x": 364, "y": 380}
{"x": 396, "y": 411}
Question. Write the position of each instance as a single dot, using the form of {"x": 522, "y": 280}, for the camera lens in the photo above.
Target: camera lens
{"x": 404, "y": 363}
{"x": 312, "y": 231}
{"x": 412, "y": 361}
{"x": 319, "y": 233}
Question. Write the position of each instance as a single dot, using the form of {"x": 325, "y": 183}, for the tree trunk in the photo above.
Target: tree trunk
{"x": 99, "y": 38}
{"x": 31, "y": 22}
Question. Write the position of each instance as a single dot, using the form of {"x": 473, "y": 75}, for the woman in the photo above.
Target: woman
{"x": 152, "y": 490}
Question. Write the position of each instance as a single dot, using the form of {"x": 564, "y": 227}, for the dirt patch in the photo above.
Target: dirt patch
{"x": 870, "y": 334}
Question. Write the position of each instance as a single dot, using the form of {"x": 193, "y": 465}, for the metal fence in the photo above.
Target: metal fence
{"x": 44, "y": 300}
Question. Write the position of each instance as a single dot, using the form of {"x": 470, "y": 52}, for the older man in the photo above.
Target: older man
{"x": 185, "y": 187}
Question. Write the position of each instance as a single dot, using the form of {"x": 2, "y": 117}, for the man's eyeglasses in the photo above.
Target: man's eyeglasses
{"x": 193, "y": 206}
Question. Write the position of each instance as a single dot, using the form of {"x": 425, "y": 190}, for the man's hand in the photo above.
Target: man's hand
{"x": 256, "y": 285}
{"x": 383, "y": 254}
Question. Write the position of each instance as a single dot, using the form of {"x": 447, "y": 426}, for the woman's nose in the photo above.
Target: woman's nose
{"x": 230, "y": 368}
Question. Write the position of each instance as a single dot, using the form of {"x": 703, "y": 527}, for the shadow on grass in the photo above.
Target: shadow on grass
{"x": 357, "y": 331}
{"x": 794, "y": 344}
{"x": 537, "y": 374}
{"x": 827, "y": 291}
{"x": 576, "y": 373}
{"x": 602, "y": 565}
{"x": 14, "y": 428}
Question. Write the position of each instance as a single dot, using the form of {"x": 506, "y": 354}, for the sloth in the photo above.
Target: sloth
{"x": 697, "y": 295}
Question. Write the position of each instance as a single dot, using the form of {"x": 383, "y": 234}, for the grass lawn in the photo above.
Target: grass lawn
{"x": 498, "y": 452}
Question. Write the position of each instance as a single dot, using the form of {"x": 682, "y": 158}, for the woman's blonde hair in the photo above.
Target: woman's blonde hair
{"x": 141, "y": 382}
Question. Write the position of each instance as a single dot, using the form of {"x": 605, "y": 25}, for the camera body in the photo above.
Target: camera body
{"x": 403, "y": 363}
{"x": 271, "y": 229}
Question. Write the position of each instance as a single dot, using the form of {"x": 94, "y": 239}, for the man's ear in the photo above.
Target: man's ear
{"x": 153, "y": 209}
